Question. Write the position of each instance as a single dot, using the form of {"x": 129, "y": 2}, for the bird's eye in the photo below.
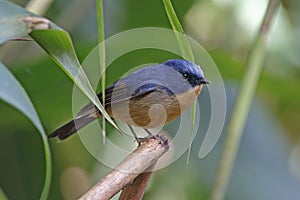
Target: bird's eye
{"x": 185, "y": 75}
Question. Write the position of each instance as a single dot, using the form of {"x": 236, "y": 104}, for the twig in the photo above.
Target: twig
{"x": 254, "y": 64}
{"x": 147, "y": 153}
{"x": 136, "y": 190}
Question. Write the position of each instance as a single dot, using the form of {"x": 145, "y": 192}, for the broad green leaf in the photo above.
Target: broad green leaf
{"x": 16, "y": 22}
{"x": 11, "y": 25}
{"x": 58, "y": 44}
{"x": 12, "y": 92}
{"x": 54, "y": 40}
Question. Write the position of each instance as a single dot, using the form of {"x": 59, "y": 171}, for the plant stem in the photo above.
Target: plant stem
{"x": 102, "y": 57}
{"x": 254, "y": 65}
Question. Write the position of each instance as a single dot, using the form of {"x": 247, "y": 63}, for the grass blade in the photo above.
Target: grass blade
{"x": 186, "y": 52}
{"x": 102, "y": 56}
{"x": 183, "y": 43}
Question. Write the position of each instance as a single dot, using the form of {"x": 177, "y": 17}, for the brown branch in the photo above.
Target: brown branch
{"x": 146, "y": 155}
{"x": 136, "y": 189}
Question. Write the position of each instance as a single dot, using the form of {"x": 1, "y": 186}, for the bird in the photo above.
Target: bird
{"x": 149, "y": 97}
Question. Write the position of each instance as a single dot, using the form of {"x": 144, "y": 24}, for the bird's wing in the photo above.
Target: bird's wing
{"x": 145, "y": 89}
{"x": 119, "y": 92}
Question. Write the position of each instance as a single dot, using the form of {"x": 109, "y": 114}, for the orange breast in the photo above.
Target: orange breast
{"x": 154, "y": 109}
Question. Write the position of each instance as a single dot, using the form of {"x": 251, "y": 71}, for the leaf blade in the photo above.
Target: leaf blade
{"x": 186, "y": 52}
{"x": 184, "y": 45}
{"x": 59, "y": 46}
{"x": 12, "y": 92}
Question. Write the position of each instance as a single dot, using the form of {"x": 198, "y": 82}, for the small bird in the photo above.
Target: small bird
{"x": 150, "y": 97}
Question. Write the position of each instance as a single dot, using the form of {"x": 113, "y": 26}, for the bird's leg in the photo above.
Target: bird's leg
{"x": 133, "y": 133}
{"x": 140, "y": 140}
{"x": 149, "y": 133}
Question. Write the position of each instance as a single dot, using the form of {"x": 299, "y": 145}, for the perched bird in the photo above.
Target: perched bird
{"x": 150, "y": 97}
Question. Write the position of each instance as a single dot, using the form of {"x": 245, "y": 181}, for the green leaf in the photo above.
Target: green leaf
{"x": 58, "y": 44}
{"x": 185, "y": 49}
{"x": 10, "y": 24}
{"x": 2, "y": 195}
{"x": 16, "y": 22}
{"x": 102, "y": 55}
{"x": 184, "y": 45}
{"x": 54, "y": 40}
{"x": 12, "y": 92}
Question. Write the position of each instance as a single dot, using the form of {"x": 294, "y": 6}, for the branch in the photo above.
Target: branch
{"x": 146, "y": 155}
{"x": 136, "y": 189}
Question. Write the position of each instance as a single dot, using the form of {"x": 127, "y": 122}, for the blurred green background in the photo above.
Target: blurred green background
{"x": 268, "y": 164}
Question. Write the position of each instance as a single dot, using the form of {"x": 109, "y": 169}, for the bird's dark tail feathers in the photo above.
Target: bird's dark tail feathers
{"x": 71, "y": 127}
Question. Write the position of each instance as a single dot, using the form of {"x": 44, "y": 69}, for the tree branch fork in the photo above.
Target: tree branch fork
{"x": 132, "y": 174}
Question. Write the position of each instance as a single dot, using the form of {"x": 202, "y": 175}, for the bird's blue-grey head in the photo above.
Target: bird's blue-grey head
{"x": 189, "y": 71}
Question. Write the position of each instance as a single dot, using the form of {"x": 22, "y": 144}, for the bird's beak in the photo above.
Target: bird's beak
{"x": 204, "y": 81}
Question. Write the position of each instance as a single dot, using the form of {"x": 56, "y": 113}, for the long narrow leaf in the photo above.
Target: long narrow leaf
{"x": 15, "y": 22}
{"x": 102, "y": 55}
{"x": 184, "y": 45}
{"x": 12, "y": 92}
{"x": 58, "y": 44}
{"x": 2, "y": 195}
{"x": 185, "y": 49}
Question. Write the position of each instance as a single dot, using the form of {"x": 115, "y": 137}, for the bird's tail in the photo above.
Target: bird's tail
{"x": 71, "y": 127}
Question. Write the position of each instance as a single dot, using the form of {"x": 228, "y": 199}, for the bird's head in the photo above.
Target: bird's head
{"x": 190, "y": 71}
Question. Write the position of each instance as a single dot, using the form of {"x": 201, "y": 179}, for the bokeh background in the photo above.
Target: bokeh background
{"x": 268, "y": 163}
